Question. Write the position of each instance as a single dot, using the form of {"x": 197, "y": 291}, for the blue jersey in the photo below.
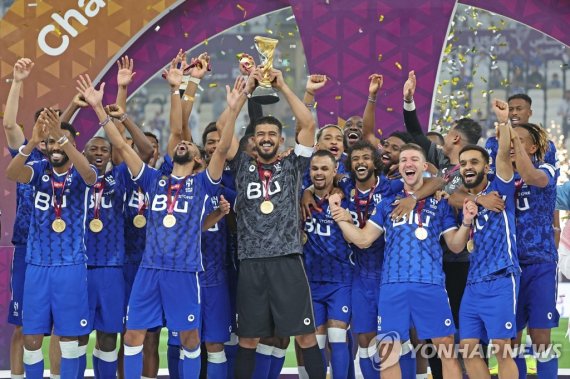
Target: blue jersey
{"x": 228, "y": 180}
{"x": 534, "y": 216}
{"x": 495, "y": 252}
{"x": 551, "y": 157}
{"x": 361, "y": 204}
{"x": 24, "y": 203}
{"x": 327, "y": 254}
{"x": 176, "y": 248}
{"x": 214, "y": 244}
{"x": 341, "y": 170}
{"x": 137, "y": 204}
{"x": 407, "y": 258}
{"x": 107, "y": 247}
{"x": 45, "y": 246}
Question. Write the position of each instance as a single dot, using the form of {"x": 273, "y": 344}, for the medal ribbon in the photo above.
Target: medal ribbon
{"x": 99, "y": 188}
{"x": 142, "y": 201}
{"x": 265, "y": 177}
{"x": 169, "y": 202}
{"x": 362, "y": 214}
{"x": 518, "y": 186}
{"x": 420, "y": 207}
{"x": 56, "y": 204}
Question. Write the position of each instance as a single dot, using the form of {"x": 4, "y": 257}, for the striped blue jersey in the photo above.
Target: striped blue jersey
{"x": 534, "y": 216}
{"x": 407, "y": 258}
{"x": 24, "y": 203}
{"x": 495, "y": 252}
{"x": 361, "y": 204}
{"x": 107, "y": 247}
{"x": 326, "y": 252}
{"x": 45, "y": 246}
{"x": 176, "y": 248}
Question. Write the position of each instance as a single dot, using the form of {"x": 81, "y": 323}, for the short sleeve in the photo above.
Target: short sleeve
{"x": 147, "y": 177}
{"x": 38, "y": 167}
{"x": 448, "y": 217}
{"x": 377, "y": 218}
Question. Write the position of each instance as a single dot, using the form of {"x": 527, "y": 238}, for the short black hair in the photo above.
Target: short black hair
{"x": 211, "y": 127}
{"x": 324, "y": 153}
{"x": 268, "y": 120}
{"x": 478, "y": 148}
{"x": 376, "y": 157}
{"x": 67, "y": 126}
{"x": 321, "y": 130}
{"x": 404, "y": 136}
{"x": 152, "y": 135}
{"x": 436, "y": 134}
{"x": 522, "y": 96}
{"x": 470, "y": 129}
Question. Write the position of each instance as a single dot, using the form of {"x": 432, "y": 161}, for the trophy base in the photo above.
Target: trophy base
{"x": 264, "y": 96}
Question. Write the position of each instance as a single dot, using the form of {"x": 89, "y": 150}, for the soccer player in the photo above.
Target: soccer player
{"x": 329, "y": 267}
{"x": 56, "y": 277}
{"x": 24, "y": 206}
{"x": 405, "y": 286}
{"x": 488, "y": 307}
{"x": 170, "y": 265}
{"x": 535, "y": 201}
{"x": 270, "y": 261}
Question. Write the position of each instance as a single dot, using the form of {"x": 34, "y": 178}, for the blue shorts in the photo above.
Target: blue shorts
{"x": 176, "y": 293}
{"x": 129, "y": 274}
{"x": 56, "y": 297}
{"x": 216, "y": 313}
{"x": 538, "y": 292}
{"x": 173, "y": 338}
{"x": 331, "y": 301}
{"x": 17, "y": 277}
{"x": 364, "y": 304}
{"x": 402, "y": 306}
{"x": 106, "y": 298}
{"x": 488, "y": 309}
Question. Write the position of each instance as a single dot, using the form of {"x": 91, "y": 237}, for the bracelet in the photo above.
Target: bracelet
{"x": 409, "y": 101}
{"x": 466, "y": 225}
{"x": 310, "y": 105}
{"x": 413, "y": 196}
{"x": 555, "y": 228}
{"x": 476, "y": 198}
{"x": 371, "y": 100}
{"x": 22, "y": 153}
{"x": 176, "y": 92}
{"x": 310, "y": 93}
{"x": 188, "y": 98}
{"x": 104, "y": 122}
{"x": 64, "y": 142}
{"x": 247, "y": 94}
{"x": 61, "y": 139}
{"x": 123, "y": 117}
{"x": 194, "y": 80}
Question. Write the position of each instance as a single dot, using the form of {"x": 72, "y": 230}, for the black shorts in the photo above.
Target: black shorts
{"x": 273, "y": 298}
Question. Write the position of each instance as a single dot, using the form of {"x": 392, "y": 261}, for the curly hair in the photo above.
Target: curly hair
{"x": 376, "y": 157}
{"x": 539, "y": 138}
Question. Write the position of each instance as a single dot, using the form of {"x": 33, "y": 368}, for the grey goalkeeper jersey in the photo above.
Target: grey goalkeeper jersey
{"x": 279, "y": 232}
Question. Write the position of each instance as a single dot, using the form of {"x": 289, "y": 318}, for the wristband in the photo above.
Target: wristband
{"x": 371, "y": 100}
{"x": 555, "y": 228}
{"x": 61, "y": 139}
{"x": 413, "y": 196}
{"x": 476, "y": 198}
{"x": 310, "y": 93}
{"x": 123, "y": 117}
{"x": 247, "y": 94}
{"x": 176, "y": 92}
{"x": 310, "y": 105}
{"x": 409, "y": 101}
{"x": 21, "y": 152}
{"x": 466, "y": 225}
{"x": 62, "y": 144}
{"x": 104, "y": 122}
{"x": 194, "y": 80}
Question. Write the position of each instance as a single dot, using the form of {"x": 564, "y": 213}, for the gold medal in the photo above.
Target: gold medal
{"x": 58, "y": 225}
{"x": 139, "y": 221}
{"x": 96, "y": 225}
{"x": 169, "y": 221}
{"x": 421, "y": 233}
{"x": 266, "y": 207}
{"x": 304, "y": 238}
{"x": 470, "y": 245}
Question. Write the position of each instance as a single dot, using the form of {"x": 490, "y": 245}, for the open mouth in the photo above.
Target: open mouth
{"x": 98, "y": 161}
{"x": 386, "y": 158}
{"x": 361, "y": 169}
{"x": 409, "y": 173}
{"x": 57, "y": 156}
{"x": 334, "y": 149}
{"x": 515, "y": 120}
{"x": 353, "y": 137}
{"x": 469, "y": 175}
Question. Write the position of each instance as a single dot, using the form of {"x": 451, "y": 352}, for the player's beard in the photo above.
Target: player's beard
{"x": 182, "y": 159}
{"x": 478, "y": 180}
{"x": 61, "y": 162}
{"x": 368, "y": 175}
{"x": 267, "y": 156}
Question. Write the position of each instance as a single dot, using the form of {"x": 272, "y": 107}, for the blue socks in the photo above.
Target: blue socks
{"x": 369, "y": 362}
{"x": 192, "y": 363}
{"x": 133, "y": 362}
{"x": 263, "y": 355}
{"x": 107, "y": 364}
{"x": 34, "y": 364}
{"x": 173, "y": 355}
{"x": 547, "y": 365}
{"x": 217, "y": 365}
{"x": 339, "y": 359}
{"x": 277, "y": 361}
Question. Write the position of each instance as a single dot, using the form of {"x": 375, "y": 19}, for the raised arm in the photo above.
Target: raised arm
{"x": 94, "y": 98}
{"x": 530, "y": 174}
{"x": 504, "y": 135}
{"x": 14, "y": 134}
{"x": 17, "y": 169}
{"x": 457, "y": 239}
{"x": 78, "y": 160}
{"x": 369, "y": 116}
{"x": 174, "y": 78}
{"x": 125, "y": 67}
{"x": 314, "y": 83}
{"x": 303, "y": 116}
{"x": 197, "y": 70}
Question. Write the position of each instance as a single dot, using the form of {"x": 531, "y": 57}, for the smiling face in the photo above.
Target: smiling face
{"x": 362, "y": 164}
{"x": 185, "y": 152}
{"x": 322, "y": 171}
{"x": 267, "y": 139}
{"x": 519, "y": 111}
{"x": 353, "y": 130}
{"x": 55, "y": 153}
{"x": 412, "y": 166}
{"x": 473, "y": 168}
{"x": 98, "y": 153}
{"x": 331, "y": 139}
{"x": 391, "y": 151}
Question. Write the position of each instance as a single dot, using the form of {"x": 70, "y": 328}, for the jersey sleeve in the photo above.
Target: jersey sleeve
{"x": 38, "y": 168}
{"x": 449, "y": 222}
{"x": 147, "y": 177}
{"x": 378, "y": 216}
{"x": 505, "y": 188}
{"x": 302, "y": 155}
{"x": 346, "y": 185}
{"x": 238, "y": 161}
{"x": 396, "y": 186}
{"x": 167, "y": 166}
{"x": 550, "y": 172}
{"x": 211, "y": 186}
{"x": 94, "y": 169}
{"x": 230, "y": 195}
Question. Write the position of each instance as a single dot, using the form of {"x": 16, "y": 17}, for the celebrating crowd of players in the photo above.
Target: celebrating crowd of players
{"x": 400, "y": 243}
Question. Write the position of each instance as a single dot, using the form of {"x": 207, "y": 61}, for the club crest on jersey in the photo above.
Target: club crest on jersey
{"x": 45, "y": 178}
{"x": 277, "y": 167}
{"x": 162, "y": 181}
{"x": 251, "y": 168}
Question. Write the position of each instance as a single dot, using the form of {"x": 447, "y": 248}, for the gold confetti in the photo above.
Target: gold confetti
{"x": 57, "y": 31}
{"x": 338, "y": 97}
{"x": 398, "y": 65}
{"x": 290, "y": 34}
{"x": 389, "y": 109}
{"x": 538, "y": 86}
{"x": 206, "y": 42}
{"x": 238, "y": 6}
{"x": 186, "y": 34}
{"x": 269, "y": 31}
{"x": 212, "y": 85}
{"x": 505, "y": 83}
{"x": 379, "y": 131}
{"x": 483, "y": 79}
{"x": 379, "y": 57}
{"x": 470, "y": 85}
{"x": 381, "y": 18}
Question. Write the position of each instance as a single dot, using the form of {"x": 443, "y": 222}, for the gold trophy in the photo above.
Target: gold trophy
{"x": 265, "y": 93}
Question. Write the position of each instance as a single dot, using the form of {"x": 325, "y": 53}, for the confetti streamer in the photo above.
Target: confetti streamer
{"x": 398, "y": 65}
{"x": 381, "y": 18}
